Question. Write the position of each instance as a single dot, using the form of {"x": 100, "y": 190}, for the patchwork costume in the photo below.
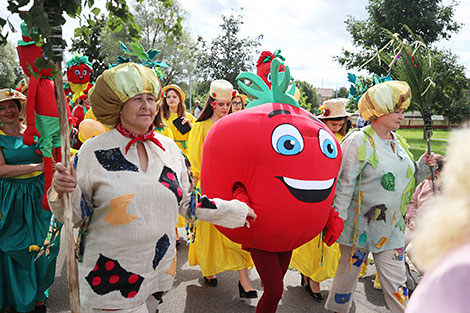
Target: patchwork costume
{"x": 375, "y": 184}
{"x": 129, "y": 249}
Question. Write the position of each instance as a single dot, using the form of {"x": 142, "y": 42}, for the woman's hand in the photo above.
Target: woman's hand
{"x": 429, "y": 159}
{"x": 185, "y": 120}
{"x": 64, "y": 181}
{"x": 251, "y": 217}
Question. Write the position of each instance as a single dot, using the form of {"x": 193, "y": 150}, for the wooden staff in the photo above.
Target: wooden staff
{"x": 54, "y": 14}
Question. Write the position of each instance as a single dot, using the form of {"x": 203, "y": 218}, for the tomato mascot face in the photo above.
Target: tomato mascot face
{"x": 263, "y": 67}
{"x": 287, "y": 160}
{"x": 27, "y": 55}
{"x": 79, "y": 74}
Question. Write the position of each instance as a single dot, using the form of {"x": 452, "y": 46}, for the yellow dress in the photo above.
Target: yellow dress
{"x": 165, "y": 130}
{"x": 214, "y": 252}
{"x": 181, "y": 140}
{"x": 307, "y": 259}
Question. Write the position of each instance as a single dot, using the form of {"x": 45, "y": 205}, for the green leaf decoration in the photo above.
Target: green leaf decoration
{"x": 361, "y": 153}
{"x": 261, "y": 92}
{"x": 388, "y": 181}
{"x": 410, "y": 171}
{"x": 362, "y": 238}
{"x": 373, "y": 159}
{"x": 96, "y": 11}
{"x": 401, "y": 224}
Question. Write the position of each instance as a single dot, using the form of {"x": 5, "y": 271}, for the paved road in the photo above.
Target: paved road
{"x": 190, "y": 295}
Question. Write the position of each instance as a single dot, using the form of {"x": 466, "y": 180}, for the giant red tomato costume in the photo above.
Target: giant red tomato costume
{"x": 41, "y": 107}
{"x": 284, "y": 163}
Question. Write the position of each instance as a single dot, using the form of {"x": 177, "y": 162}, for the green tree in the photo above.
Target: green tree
{"x": 410, "y": 22}
{"x": 429, "y": 19}
{"x": 310, "y": 99}
{"x": 341, "y": 92}
{"x": 228, "y": 55}
{"x": 10, "y": 72}
{"x": 94, "y": 49}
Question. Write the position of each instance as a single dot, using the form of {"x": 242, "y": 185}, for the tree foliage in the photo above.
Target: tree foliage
{"x": 309, "y": 98}
{"x": 428, "y": 19}
{"x": 410, "y": 22}
{"x": 10, "y": 72}
{"x": 228, "y": 55}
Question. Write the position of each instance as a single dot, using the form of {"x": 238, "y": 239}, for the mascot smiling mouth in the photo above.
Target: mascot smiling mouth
{"x": 310, "y": 191}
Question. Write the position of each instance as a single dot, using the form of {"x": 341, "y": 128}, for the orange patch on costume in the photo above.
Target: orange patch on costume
{"x": 172, "y": 269}
{"x": 117, "y": 214}
{"x": 381, "y": 242}
{"x": 401, "y": 297}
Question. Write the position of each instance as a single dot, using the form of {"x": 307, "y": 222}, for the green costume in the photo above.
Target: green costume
{"x": 24, "y": 226}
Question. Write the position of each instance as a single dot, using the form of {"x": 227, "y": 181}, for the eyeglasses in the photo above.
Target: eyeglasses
{"x": 237, "y": 104}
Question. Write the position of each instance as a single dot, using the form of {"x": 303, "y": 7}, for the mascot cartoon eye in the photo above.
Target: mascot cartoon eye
{"x": 287, "y": 140}
{"x": 269, "y": 77}
{"x": 327, "y": 144}
{"x": 77, "y": 72}
{"x": 84, "y": 72}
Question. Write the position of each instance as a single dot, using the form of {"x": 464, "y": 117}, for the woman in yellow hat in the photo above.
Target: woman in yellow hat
{"x": 211, "y": 250}
{"x": 175, "y": 115}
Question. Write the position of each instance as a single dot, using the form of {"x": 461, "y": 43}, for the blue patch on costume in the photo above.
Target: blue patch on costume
{"x": 84, "y": 207}
{"x": 113, "y": 160}
{"x": 359, "y": 257}
{"x": 108, "y": 275}
{"x": 160, "y": 249}
{"x": 75, "y": 161}
{"x": 342, "y": 298}
{"x": 169, "y": 179}
{"x": 398, "y": 254}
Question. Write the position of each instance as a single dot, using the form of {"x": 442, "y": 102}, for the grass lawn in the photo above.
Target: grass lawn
{"x": 414, "y": 137}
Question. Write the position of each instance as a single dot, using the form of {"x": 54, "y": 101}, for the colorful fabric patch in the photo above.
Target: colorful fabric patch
{"x": 402, "y": 295}
{"x": 108, "y": 276}
{"x": 342, "y": 298}
{"x": 85, "y": 209}
{"x": 388, "y": 181}
{"x": 401, "y": 224}
{"x": 381, "y": 242}
{"x": 362, "y": 238}
{"x": 169, "y": 179}
{"x": 113, "y": 160}
{"x": 206, "y": 203}
{"x": 359, "y": 257}
{"x": 117, "y": 214}
{"x": 160, "y": 249}
{"x": 377, "y": 212}
{"x": 398, "y": 254}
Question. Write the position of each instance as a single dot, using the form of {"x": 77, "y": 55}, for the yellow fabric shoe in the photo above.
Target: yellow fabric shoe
{"x": 377, "y": 284}
{"x": 364, "y": 268}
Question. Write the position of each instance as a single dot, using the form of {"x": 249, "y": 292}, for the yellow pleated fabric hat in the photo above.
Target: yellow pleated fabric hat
{"x": 384, "y": 98}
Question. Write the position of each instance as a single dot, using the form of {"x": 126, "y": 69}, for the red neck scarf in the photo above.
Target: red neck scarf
{"x": 150, "y": 135}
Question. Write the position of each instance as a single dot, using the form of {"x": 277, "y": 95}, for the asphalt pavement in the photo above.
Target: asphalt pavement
{"x": 190, "y": 295}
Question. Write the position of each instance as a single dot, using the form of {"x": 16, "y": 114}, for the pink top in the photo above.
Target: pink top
{"x": 421, "y": 195}
{"x": 445, "y": 287}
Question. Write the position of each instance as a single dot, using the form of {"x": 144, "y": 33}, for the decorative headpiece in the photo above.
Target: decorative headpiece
{"x": 221, "y": 90}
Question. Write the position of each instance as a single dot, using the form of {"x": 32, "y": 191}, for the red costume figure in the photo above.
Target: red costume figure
{"x": 263, "y": 66}
{"x": 41, "y": 107}
{"x": 78, "y": 75}
{"x": 283, "y": 163}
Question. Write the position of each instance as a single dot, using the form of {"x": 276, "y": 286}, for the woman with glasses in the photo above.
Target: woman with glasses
{"x": 238, "y": 102}
{"x": 214, "y": 252}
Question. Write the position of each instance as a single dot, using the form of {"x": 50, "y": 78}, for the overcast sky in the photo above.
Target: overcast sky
{"x": 309, "y": 32}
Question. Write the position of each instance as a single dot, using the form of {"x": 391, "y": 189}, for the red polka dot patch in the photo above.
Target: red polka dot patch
{"x": 108, "y": 275}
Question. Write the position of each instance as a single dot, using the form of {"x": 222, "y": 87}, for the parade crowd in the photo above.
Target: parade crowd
{"x": 137, "y": 174}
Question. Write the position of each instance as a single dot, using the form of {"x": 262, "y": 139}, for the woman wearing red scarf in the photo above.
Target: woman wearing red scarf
{"x": 130, "y": 184}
